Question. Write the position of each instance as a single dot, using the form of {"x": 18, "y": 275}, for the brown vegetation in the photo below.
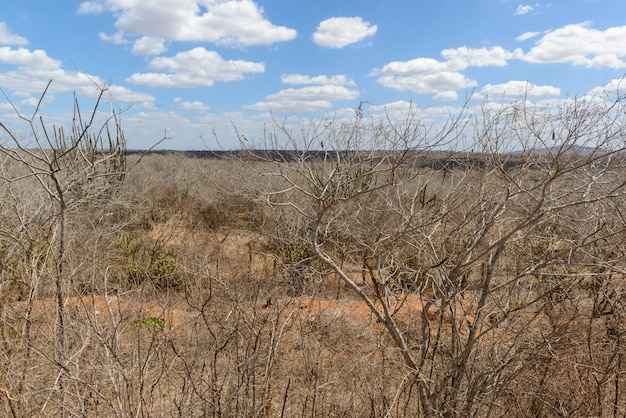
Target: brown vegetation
{"x": 358, "y": 280}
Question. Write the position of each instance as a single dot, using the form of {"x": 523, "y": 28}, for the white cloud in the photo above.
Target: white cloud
{"x": 195, "y": 68}
{"x": 124, "y": 94}
{"x": 401, "y": 106}
{"x": 606, "y": 61}
{"x": 30, "y": 84}
{"x": 523, "y": 9}
{"x": 515, "y": 89}
{"x": 30, "y": 102}
{"x": 527, "y": 35}
{"x": 337, "y": 80}
{"x": 442, "y": 79}
{"x": 443, "y": 84}
{"x": 117, "y": 38}
{"x": 225, "y": 22}
{"x": 615, "y": 87}
{"x": 398, "y": 111}
{"x": 581, "y": 45}
{"x": 414, "y": 66}
{"x": 147, "y": 45}
{"x": 446, "y": 96}
{"x": 37, "y": 60}
{"x": 36, "y": 68}
{"x": 195, "y": 105}
{"x": 7, "y": 37}
{"x": 338, "y": 32}
{"x": 90, "y": 7}
{"x": 463, "y": 57}
{"x": 306, "y": 98}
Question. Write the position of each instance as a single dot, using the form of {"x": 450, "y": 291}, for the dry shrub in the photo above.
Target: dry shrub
{"x": 386, "y": 281}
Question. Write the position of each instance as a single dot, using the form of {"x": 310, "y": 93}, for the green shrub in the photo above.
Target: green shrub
{"x": 141, "y": 263}
{"x": 153, "y": 324}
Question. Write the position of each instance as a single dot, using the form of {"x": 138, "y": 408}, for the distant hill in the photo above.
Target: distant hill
{"x": 572, "y": 150}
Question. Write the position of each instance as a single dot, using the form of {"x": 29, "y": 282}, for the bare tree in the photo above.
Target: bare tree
{"x": 463, "y": 241}
{"x": 372, "y": 255}
{"x": 68, "y": 168}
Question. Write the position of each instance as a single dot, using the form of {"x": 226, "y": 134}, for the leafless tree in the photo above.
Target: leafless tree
{"x": 373, "y": 255}
{"x": 478, "y": 247}
{"x": 66, "y": 169}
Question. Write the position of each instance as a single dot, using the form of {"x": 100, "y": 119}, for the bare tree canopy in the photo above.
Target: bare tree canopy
{"x": 360, "y": 266}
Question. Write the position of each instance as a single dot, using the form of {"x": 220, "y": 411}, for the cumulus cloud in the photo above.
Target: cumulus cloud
{"x": 515, "y": 89}
{"x": 90, "y": 7}
{"x": 36, "y": 60}
{"x": 398, "y": 111}
{"x": 7, "y": 37}
{"x": 446, "y": 96}
{"x": 338, "y": 80}
{"x": 30, "y": 102}
{"x": 319, "y": 94}
{"x": 527, "y": 35}
{"x": 581, "y": 45}
{"x": 225, "y": 22}
{"x": 117, "y": 38}
{"x": 442, "y": 85}
{"x": 147, "y": 45}
{"x": 339, "y": 32}
{"x": 194, "y": 68}
{"x": 442, "y": 78}
{"x": 315, "y": 97}
{"x": 463, "y": 57}
{"x": 414, "y": 66}
{"x": 36, "y": 68}
{"x": 523, "y": 9}
{"x": 124, "y": 94}
{"x": 196, "y": 105}
{"x": 615, "y": 87}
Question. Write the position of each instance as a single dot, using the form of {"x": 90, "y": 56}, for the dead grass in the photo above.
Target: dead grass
{"x": 234, "y": 339}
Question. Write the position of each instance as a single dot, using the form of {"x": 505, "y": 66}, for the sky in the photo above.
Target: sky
{"x": 193, "y": 70}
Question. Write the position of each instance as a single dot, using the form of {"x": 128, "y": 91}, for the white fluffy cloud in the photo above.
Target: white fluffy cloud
{"x": 442, "y": 79}
{"x": 614, "y": 88}
{"x": 463, "y": 57}
{"x": 523, "y": 9}
{"x": 225, "y": 22}
{"x": 398, "y": 111}
{"x": 337, "y": 80}
{"x": 196, "y": 105}
{"x": 194, "y": 68}
{"x": 527, "y": 35}
{"x": 36, "y": 60}
{"x": 338, "y": 32}
{"x": 147, "y": 45}
{"x": 310, "y": 98}
{"x": 7, "y": 37}
{"x": 577, "y": 44}
{"x": 117, "y": 38}
{"x": 443, "y": 85}
{"x": 515, "y": 89}
{"x": 581, "y": 45}
{"x": 90, "y": 7}
{"x": 414, "y": 66}
{"x": 36, "y": 68}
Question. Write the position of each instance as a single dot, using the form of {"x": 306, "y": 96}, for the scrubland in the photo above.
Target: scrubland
{"x": 362, "y": 271}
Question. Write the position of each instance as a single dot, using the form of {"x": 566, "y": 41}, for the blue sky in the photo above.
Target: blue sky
{"x": 197, "y": 67}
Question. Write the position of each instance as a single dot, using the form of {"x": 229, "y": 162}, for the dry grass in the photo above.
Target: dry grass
{"x": 232, "y": 338}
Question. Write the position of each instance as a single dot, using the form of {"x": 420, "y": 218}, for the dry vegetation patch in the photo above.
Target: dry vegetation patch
{"x": 368, "y": 274}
